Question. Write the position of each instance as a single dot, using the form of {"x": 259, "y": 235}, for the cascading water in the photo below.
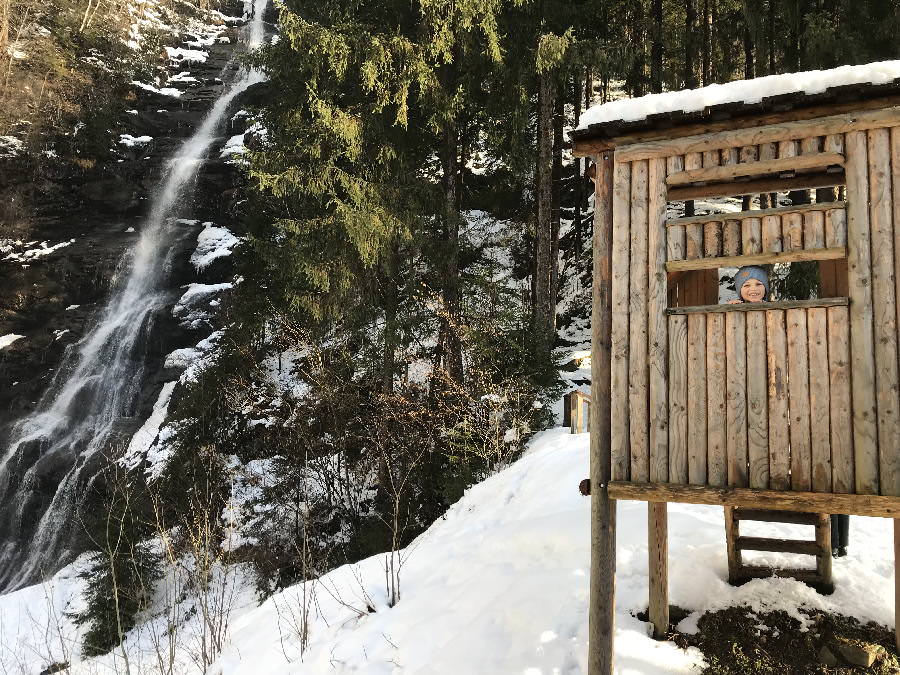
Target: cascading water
{"x": 100, "y": 380}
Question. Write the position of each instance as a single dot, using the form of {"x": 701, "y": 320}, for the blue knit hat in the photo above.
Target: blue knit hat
{"x": 751, "y": 272}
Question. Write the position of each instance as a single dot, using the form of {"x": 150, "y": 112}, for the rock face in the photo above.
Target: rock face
{"x": 65, "y": 244}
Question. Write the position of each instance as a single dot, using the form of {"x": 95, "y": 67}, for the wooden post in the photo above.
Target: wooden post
{"x": 658, "y": 549}
{"x": 601, "y": 628}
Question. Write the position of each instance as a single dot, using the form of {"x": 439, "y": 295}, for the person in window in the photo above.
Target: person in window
{"x": 752, "y": 284}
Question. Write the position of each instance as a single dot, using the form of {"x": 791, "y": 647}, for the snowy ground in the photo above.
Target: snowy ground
{"x": 499, "y": 585}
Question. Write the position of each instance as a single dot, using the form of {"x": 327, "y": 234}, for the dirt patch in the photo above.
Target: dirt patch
{"x": 737, "y": 641}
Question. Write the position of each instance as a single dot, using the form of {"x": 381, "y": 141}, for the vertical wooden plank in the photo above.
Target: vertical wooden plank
{"x": 602, "y": 603}
{"x": 884, "y": 311}
{"x": 712, "y": 231}
{"x": 798, "y": 399}
{"x": 658, "y": 340}
{"x": 731, "y": 237}
{"x": 757, "y": 400}
{"x": 792, "y": 231}
{"x": 658, "y": 550}
{"x": 810, "y": 145}
{"x": 835, "y": 227}
{"x": 787, "y": 149}
{"x": 736, "y": 396}
{"x": 638, "y": 401}
{"x": 862, "y": 355}
{"x": 696, "y": 415}
{"x": 840, "y": 410}
{"x": 717, "y": 465}
{"x": 767, "y": 151}
{"x": 751, "y": 235}
{"x": 621, "y": 266}
{"x": 771, "y": 234}
{"x": 678, "y": 399}
{"x": 749, "y": 153}
{"x": 712, "y": 239}
{"x": 693, "y": 233}
{"x": 814, "y": 229}
{"x": 834, "y": 143}
{"x": 732, "y": 532}
{"x": 819, "y": 399}
{"x": 779, "y": 444}
{"x": 675, "y": 236}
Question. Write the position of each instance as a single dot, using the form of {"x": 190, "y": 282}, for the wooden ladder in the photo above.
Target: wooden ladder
{"x": 738, "y": 573}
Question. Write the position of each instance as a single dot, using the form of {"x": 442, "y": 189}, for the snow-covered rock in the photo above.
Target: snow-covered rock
{"x": 212, "y": 243}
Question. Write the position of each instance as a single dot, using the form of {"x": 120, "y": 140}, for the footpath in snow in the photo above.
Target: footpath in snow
{"x": 498, "y": 585}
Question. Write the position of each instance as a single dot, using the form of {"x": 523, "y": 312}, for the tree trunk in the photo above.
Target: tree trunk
{"x": 656, "y": 49}
{"x": 771, "y": 36}
{"x": 544, "y": 173}
{"x": 690, "y": 45}
{"x": 749, "y": 50}
{"x": 389, "y": 302}
{"x": 452, "y": 353}
{"x": 556, "y": 203}
{"x": 579, "y": 180}
{"x": 705, "y": 58}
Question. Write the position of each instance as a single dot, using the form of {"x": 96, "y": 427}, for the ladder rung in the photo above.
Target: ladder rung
{"x": 779, "y": 545}
{"x": 777, "y": 516}
{"x": 758, "y": 572}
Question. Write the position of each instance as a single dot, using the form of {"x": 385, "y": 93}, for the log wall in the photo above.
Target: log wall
{"x": 800, "y": 397}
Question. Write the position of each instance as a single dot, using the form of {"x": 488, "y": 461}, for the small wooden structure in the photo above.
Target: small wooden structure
{"x": 786, "y": 406}
{"x": 577, "y": 412}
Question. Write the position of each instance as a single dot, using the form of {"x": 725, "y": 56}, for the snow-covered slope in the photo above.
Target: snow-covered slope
{"x": 499, "y": 585}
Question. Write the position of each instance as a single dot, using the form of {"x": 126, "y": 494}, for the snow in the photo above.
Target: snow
{"x": 29, "y": 253}
{"x": 165, "y": 91}
{"x": 212, "y": 243}
{"x": 131, "y": 141}
{"x": 10, "y": 146}
{"x": 7, "y": 340}
{"x": 498, "y": 585}
{"x": 146, "y": 436}
{"x": 181, "y": 56}
{"x": 740, "y": 91}
{"x": 193, "y": 308}
{"x": 234, "y": 146}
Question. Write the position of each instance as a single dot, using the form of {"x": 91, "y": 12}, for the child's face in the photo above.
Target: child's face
{"x": 753, "y": 291}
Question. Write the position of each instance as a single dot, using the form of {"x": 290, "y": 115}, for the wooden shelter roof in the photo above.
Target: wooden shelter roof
{"x": 769, "y": 110}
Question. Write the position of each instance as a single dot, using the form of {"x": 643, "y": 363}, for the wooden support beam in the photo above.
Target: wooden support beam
{"x": 733, "y": 138}
{"x": 758, "y": 213}
{"x": 759, "y": 515}
{"x": 768, "y": 258}
{"x": 602, "y": 604}
{"x": 759, "y": 306}
{"x": 730, "y": 171}
{"x": 757, "y": 185}
{"x": 658, "y": 550}
{"x": 778, "y": 500}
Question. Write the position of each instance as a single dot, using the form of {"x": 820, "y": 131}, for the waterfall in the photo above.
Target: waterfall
{"x": 100, "y": 380}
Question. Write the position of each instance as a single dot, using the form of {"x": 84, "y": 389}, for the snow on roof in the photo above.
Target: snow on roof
{"x": 739, "y": 91}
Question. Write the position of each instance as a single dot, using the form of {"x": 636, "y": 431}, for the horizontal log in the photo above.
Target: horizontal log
{"x": 761, "y": 185}
{"x": 729, "y": 171}
{"x": 735, "y": 138}
{"x": 763, "y": 516}
{"x": 758, "y": 213}
{"x": 778, "y": 545}
{"x": 760, "y": 306}
{"x": 591, "y": 146}
{"x": 767, "y": 258}
{"x": 817, "y": 502}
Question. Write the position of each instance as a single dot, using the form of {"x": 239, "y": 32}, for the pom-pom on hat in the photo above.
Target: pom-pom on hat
{"x": 751, "y": 272}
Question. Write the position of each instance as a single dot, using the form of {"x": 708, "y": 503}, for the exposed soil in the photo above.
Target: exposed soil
{"x": 737, "y": 641}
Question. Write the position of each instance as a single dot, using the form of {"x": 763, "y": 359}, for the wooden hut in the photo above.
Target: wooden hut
{"x": 787, "y": 406}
